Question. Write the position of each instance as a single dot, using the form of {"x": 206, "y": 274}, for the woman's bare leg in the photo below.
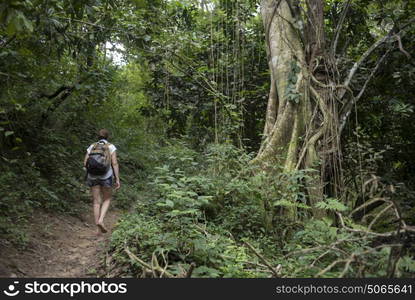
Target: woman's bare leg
{"x": 106, "y": 196}
{"x": 96, "y": 198}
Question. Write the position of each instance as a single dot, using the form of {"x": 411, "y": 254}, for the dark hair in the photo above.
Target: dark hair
{"x": 103, "y": 134}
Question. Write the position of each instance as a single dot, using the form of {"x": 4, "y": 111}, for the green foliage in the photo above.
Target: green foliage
{"x": 173, "y": 222}
{"x": 331, "y": 204}
{"x": 324, "y": 250}
{"x": 201, "y": 209}
{"x": 406, "y": 265}
{"x": 12, "y": 15}
{"x": 47, "y": 177}
{"x": 198, "y": 58}
{"x": 181, "y": 75}
{"x": 15, "y": 204}
{"x": 181, "y": 242}
{"x": 58, "y": 88}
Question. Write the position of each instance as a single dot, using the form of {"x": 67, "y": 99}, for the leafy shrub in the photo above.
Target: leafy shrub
{"x": 200, "y": 209}
{"x": 176, "y": 243}
{"x": 19, "y": 196}
{"x": 321, "y": 249}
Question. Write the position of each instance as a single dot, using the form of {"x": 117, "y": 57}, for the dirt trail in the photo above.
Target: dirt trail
{"x": 60, "y": 247}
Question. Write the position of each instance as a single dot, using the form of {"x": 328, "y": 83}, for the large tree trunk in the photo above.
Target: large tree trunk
{"x": 301, "y": 113}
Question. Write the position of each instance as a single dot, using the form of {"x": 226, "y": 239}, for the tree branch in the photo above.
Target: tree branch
{"x": 347, "y": 108}
{"x": 147, "y": 266}
{"x": 362, "y": 59}
{"x": 274, "y": 271}
{"x": 369, "y": 51}
{"x": 339, "y": 27}
{"x": 385, "y": 234}
{"x": 398, "y": 38}
{"x": 56, "y": 93}
{"x": 366, "y": 204}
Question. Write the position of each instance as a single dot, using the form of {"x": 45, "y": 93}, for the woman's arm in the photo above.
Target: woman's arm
{"x": 115, "y": 167}
{"x": 85, "y": 159}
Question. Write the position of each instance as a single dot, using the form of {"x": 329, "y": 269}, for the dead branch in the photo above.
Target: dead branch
{"x": 385, "y": 234}
{"x": 366, "y": 204}
{"x": 331, "y": 266}
{"x": 375, "y": 180}
{"x": 379, "y": 215}
{"x": 332, "y": 246}
{"x": 155, "y": 265}
{"x": 318, "y": 258}
{"x": 156, "y": 270}
{"x": 398, "y": 214}
{"x": 347, "y": 265}
{"x": 147, "y": 266}
{"x": 352, "y": 258}
{"x": 276, "y": 271}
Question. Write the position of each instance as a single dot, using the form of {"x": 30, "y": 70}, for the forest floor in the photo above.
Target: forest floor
{"x": 59, "y": 246}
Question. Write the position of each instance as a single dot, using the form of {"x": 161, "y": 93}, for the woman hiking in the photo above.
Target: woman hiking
{"x": 102, "y": 172}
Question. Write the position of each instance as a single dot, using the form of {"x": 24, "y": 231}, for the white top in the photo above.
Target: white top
{"x": 109, "y": 173}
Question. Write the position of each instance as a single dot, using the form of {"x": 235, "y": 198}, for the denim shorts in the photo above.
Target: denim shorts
{"x": 102, "y": 182}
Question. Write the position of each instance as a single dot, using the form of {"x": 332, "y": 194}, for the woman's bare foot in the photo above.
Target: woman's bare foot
{"x": 101, "y": 226}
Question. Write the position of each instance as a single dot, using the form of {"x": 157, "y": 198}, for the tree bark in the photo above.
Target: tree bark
{"x": 284, "y": 52}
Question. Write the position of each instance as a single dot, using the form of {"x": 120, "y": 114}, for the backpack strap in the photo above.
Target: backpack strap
{"x": 105, "y": 148}
{"x": 95, "y": 148}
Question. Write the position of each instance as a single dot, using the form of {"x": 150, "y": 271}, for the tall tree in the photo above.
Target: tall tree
{"x": 308, "y": 103}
